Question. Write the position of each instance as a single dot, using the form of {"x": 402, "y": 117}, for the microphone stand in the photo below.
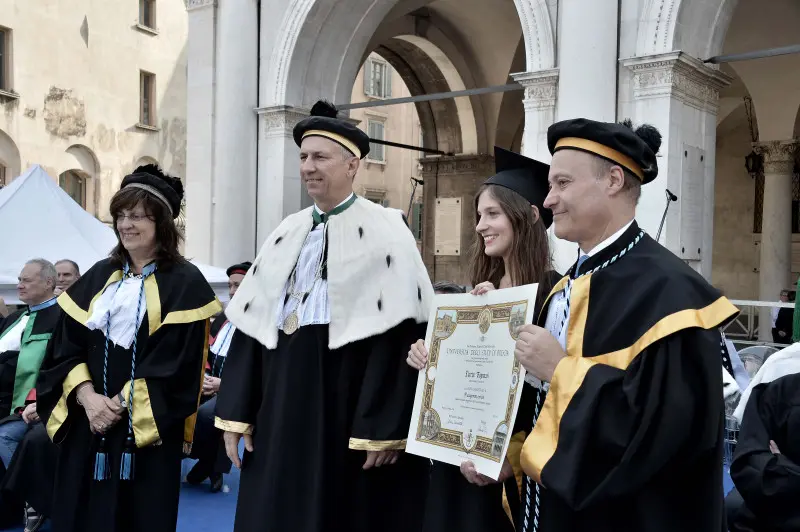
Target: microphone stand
{"x": 670, "y": 198}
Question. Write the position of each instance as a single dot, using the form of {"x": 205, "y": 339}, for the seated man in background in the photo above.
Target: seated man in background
{"x": 68, "y": 272}
{"x": 207, "y": 447}
{"x": 766, "y": 462}
{"x": 23, "y": 339}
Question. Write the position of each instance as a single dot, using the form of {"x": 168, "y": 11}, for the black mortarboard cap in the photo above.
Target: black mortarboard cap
{"x": 632, "y": 149}
{"x": 242, "y": 268}
{"x": 527, "y": 177}
{"x": 324, "y": 122}
{"x": 152, "y": 179}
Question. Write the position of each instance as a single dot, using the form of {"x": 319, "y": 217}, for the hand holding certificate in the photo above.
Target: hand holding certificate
{"x": 468, "y": 393}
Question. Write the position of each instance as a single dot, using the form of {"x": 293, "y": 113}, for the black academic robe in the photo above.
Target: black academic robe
{"x": 32, "y": 471}
{"x": 208, "y": 446}
{"x": 44, "y": 321}
{"x": 769, "y": 483}
{"x": 172, "y": 344}
{"x": 314, "y": 412}
{"x": 629, "y": 438}
{"x": 455, "y": 504}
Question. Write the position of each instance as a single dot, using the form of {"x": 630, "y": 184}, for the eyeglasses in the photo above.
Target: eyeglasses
{"x": 133, "y": 217}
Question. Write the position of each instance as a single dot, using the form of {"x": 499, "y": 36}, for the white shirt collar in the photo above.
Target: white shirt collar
{"x": 320, "y": 211}
{"x": 608, "y": 241}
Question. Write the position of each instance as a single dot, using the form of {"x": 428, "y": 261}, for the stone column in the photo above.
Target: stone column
{"x": 280, "y": 191}
{"x": 235, "y": 133}
{"x": 460, "y": 177}
{"x": 540, "y": 110}
{"x": 679, "y": 95}
{"x": 776, "y": 227}
{"x": 200, "y": 128}
{"x": 587, "y": 46}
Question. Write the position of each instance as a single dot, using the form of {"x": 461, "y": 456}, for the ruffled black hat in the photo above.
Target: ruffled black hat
{"x": 632, "y": 149}
{"x": 323, "y": 122}
{"x": 152, "y": 179}
{"x": 241, "y": 268}
{"x": 527, "y": 177}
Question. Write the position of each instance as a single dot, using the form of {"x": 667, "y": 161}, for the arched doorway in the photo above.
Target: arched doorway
{"x": 10, "y": 163}
{"x": 80, "y": 178}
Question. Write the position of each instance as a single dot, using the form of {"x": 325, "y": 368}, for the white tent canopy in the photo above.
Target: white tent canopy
{"x": 38, "y": 219}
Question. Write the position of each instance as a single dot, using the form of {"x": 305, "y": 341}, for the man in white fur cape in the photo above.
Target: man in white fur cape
{"x": 316, "y": 380}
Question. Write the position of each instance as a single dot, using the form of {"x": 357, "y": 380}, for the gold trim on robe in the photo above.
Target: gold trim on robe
{"x": 145, "y": 430}
{"x": 233, "y": 426}
{"x": 78, "y": 375}
{"x": 77, "y": 313}
{"x": 513, "y": 455}
{"x": 571, "y": 371}
{"x": 191, "y": 421}
{"x": 153, "y": 299}
{"x": 358, "y": 444}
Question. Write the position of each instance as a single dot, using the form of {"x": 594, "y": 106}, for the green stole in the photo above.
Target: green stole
{"x": 31, "y": 353}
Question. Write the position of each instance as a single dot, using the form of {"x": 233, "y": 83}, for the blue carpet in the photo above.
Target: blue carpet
{"x": 200, "y": 510}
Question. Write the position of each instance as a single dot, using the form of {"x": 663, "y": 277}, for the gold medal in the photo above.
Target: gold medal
{"x": 290, "y": 324}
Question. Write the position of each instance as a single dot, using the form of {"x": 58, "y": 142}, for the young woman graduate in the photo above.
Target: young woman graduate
{"x": 120, "y": 382}
{"x": 510, "y": 249}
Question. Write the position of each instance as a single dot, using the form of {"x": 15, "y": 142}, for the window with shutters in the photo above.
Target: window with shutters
{"x": 75, "y": 185}
{"x": 147, "y": 13}
{"x": 377, "y": 152}
{"x": 147, "y": 99}
{"x": 3, "y": 174}
{"x": 377, "y": 79}
{"x": 416, "y": 220}
{"x": 5, "y": 59}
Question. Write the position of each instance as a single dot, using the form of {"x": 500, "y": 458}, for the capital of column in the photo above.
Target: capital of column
{"x": 192, "y": 5}
{"x": 541, "y": 88}
{"x": 677, "y": 75}
{"x": 779, "y": 155}
{"x": 279, "y": 120}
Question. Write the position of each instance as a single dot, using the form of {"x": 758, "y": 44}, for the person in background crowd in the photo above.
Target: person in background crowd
{"x": 766, "y": 461}
{"x": 782, "y": 319}
{"x": 627, "y": 435}
{"x": 448, "y": 287}
{"x": 121, "y": 379}
{"x": 68, "y": 273}
{"x": 208, "y": 448}
{"x": 510, "y": 249}
{"x": 316, "y": 382}
{"x": 23, "y": 340}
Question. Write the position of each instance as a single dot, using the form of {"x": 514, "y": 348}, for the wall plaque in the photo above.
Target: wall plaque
{"x": 447, "y": 232}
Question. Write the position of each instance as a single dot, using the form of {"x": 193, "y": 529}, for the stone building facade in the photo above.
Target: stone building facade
{"x": 604, "y": 59}
{"x": 91, "y": 91}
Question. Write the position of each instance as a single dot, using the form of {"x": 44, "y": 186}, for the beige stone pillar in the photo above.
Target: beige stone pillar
{"x": 776, "y": 226}
{"x": 541, "y": 88}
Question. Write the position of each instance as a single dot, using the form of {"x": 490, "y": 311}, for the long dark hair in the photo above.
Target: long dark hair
{"x": 167, "y": 235}
{"x": 530, "y": 252}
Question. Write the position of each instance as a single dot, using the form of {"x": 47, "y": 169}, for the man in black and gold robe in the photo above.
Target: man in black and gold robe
{"x": 172, "y": 345}
{"x": 627, "y": 433}
{"x": 316, "y": 378}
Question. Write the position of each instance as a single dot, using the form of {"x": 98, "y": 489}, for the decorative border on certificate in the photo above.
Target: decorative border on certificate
{"x": 447, "y": 320}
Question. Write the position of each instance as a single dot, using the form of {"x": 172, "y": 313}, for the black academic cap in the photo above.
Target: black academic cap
{"x": 618, "y": 143}
{"x": 152, "y": 179}
{"x": 324, "y": 122}
{"x": 527, "y": 177}
{"x": 238, "y": 268}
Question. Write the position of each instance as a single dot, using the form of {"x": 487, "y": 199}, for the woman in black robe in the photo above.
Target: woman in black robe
{"x": 510, "y": 250}
{"x": 120, "y": 383}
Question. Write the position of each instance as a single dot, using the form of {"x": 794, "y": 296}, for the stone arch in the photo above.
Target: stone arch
{"x": 9, "y": 159}
{"x": 299, "y": 71}
{"x": 79, "y": 176}
{"x": 511, "y": 120}
{"x": 143, "y": 160}
{"x": 667, "y": 25}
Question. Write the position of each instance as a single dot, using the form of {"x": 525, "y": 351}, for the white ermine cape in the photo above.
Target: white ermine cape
{"x": 376, "y": 277}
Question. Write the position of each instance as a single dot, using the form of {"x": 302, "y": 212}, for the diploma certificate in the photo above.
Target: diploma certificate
{"x": 468, "y": 394}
